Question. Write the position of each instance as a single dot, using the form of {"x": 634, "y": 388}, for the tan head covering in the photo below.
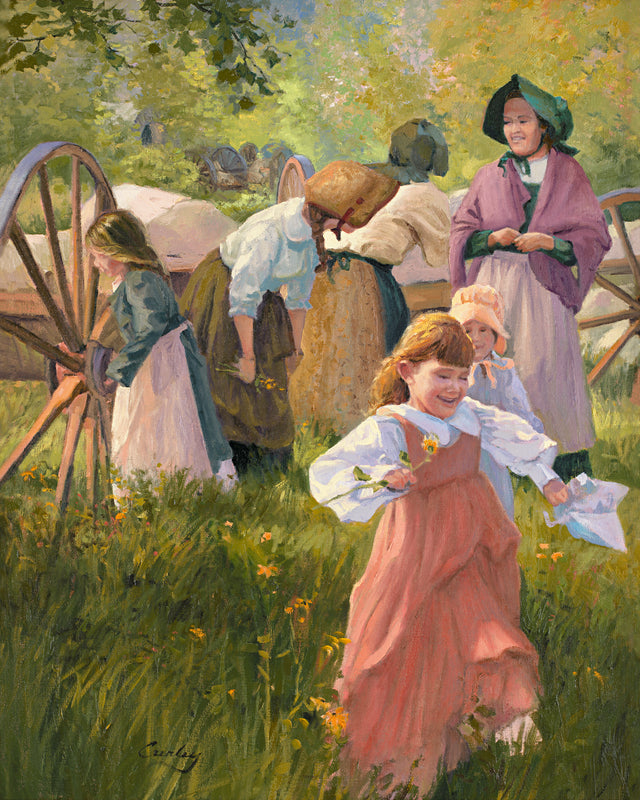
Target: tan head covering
{"x": 482, "y": 304}
{"x": 349, "y": 192}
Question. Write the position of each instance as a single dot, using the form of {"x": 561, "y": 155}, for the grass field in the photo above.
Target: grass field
{"x": 186, "y": 646}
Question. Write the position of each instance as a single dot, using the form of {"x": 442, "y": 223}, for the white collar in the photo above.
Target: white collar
{"x": 538, "y": 167}
{"x": 463, "y": 419}
{"x": 295, "y": 226}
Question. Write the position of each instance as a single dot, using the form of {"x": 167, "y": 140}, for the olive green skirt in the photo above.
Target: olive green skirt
{"x": 257, "y": 413}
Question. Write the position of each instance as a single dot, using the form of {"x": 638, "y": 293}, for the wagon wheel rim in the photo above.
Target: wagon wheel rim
{"x": 628, "y": 264}
{"x": 72, "y": 305}
{"x": 295, "y": 172}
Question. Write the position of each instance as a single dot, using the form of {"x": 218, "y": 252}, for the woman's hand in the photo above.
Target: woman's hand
{"x": 556, "y": 492}
{"x": 528, "y": 242}
{"x": 61, "y": 370}
{"x": 504, "y": 237}
{"x": 246, "y": 366}
{"x": 400, "y": 478}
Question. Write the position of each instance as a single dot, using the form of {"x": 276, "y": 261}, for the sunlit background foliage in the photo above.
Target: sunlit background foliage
{"x": 327, "y": 80}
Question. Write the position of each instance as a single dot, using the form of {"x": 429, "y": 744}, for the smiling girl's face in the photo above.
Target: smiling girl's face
{"x": 434, "y": 387}
{"x": 482, "y": 336}
{"x": 522, "y": 129}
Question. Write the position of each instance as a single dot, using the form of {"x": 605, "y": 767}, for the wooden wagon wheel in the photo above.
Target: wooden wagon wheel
{"x": 628, "y": 265}
{"x": 72, "y": 305}
{"x": 228, "y": 160}
{"x": 292, "y": 177}
{"x": 208, "y": 172}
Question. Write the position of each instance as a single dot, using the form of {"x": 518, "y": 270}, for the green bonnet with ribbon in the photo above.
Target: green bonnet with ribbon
{"x": 552, "y": 109}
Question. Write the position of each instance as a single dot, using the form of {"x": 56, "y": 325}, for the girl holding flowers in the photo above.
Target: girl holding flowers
{"x": 436, "y": 648}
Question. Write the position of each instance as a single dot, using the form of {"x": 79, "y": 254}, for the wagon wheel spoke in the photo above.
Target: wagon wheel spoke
{"x": 56, "y": 252}
{"x": 76, "y": 418}
{"x": 618, "y": 292}
{"x": 76, "y": 241}
{"x": 21, "y": 244}
{"x": 618, "y": 223}
{"x": 605, "y": 319}
{"x": 92, "y": 275}
{"x": 103, "y": 417}
{"x": 63, "y": 396}
{"x": 605, "y": 362}
{"x": 91, "y": 435}
{"x": 35, "y": 342}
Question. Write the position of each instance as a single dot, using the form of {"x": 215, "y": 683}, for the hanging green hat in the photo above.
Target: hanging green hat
{"x": 417, "y": 148}
{"x": 553, "y": 110}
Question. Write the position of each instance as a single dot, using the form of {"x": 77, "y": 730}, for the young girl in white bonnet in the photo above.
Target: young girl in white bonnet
{"x": 493, "y": 379}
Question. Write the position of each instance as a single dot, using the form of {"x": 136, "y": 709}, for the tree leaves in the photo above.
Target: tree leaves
{"x": 32, "y": 35}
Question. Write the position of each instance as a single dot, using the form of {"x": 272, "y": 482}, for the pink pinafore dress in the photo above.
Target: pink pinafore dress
{"x": 434, "y": 623}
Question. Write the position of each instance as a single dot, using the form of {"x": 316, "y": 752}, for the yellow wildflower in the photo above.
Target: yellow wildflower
{"x": 556, "y": 556}
{"x": 228, "y": 524}
{"x": 430, "y": 444}
{"x": 197, "y": 633}
{"x": 267, "y": 570}
{"x": 319, "y": 704}
{"x": 335, "y": 720}
{"x": 540, "y": 555}
{"x": 544, "y": 545}
{"x": 288, "y": 610}
{"x": 266, "y": 537}
{"x": 231, "y": 693}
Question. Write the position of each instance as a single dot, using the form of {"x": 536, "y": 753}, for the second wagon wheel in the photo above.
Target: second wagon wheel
{"x": 59, "y": 173}
{"x": 625, "y": 264}
{"x": 292, "y": 177}
{"x": 231, "y": 167}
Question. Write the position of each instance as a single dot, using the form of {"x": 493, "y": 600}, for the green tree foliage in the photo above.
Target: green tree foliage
{"x": 332, "y": 86}
{"x": 33, "y": 33}
{"x": 349, "y": 80}
{"x": 587, "y": 51}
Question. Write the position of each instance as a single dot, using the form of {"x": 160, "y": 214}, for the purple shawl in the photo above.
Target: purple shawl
{"x": 566, "y": 208}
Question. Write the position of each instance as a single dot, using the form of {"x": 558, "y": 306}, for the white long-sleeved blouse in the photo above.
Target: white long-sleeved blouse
{"x": 272, "y": 248}
{"x": 375, "y": 446}
{"x": 417, "y": 214}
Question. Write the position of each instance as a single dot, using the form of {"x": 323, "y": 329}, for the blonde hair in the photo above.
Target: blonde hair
{"x": 430, "y": 336}
{"x": 121, "y": 235}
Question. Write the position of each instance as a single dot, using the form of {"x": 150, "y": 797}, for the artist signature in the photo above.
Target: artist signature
{"x": 181, "y": 759}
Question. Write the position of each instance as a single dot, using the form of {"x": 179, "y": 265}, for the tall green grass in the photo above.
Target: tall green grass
{"x": 211, "y": 625}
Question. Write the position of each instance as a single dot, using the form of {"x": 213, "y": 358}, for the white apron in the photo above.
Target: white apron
{"x": 545, "y": 347}
{"x": 156, "y": 427}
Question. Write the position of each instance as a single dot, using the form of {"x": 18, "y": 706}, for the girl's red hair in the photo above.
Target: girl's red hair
{"x": 430, "y": 336}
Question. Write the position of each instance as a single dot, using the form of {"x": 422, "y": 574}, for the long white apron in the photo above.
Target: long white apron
{"x": 156, "y": 427}
{"x": 545, "y": 347}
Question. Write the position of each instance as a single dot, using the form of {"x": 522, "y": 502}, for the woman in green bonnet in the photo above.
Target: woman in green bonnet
{"x": 358, "y": 311}
{"x": 534, "y": 230}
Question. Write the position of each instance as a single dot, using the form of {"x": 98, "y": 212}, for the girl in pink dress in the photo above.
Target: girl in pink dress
{"x": 436, "y": 655}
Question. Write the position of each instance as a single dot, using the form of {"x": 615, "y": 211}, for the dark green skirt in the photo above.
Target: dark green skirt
{"x": 253, "y": 414}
